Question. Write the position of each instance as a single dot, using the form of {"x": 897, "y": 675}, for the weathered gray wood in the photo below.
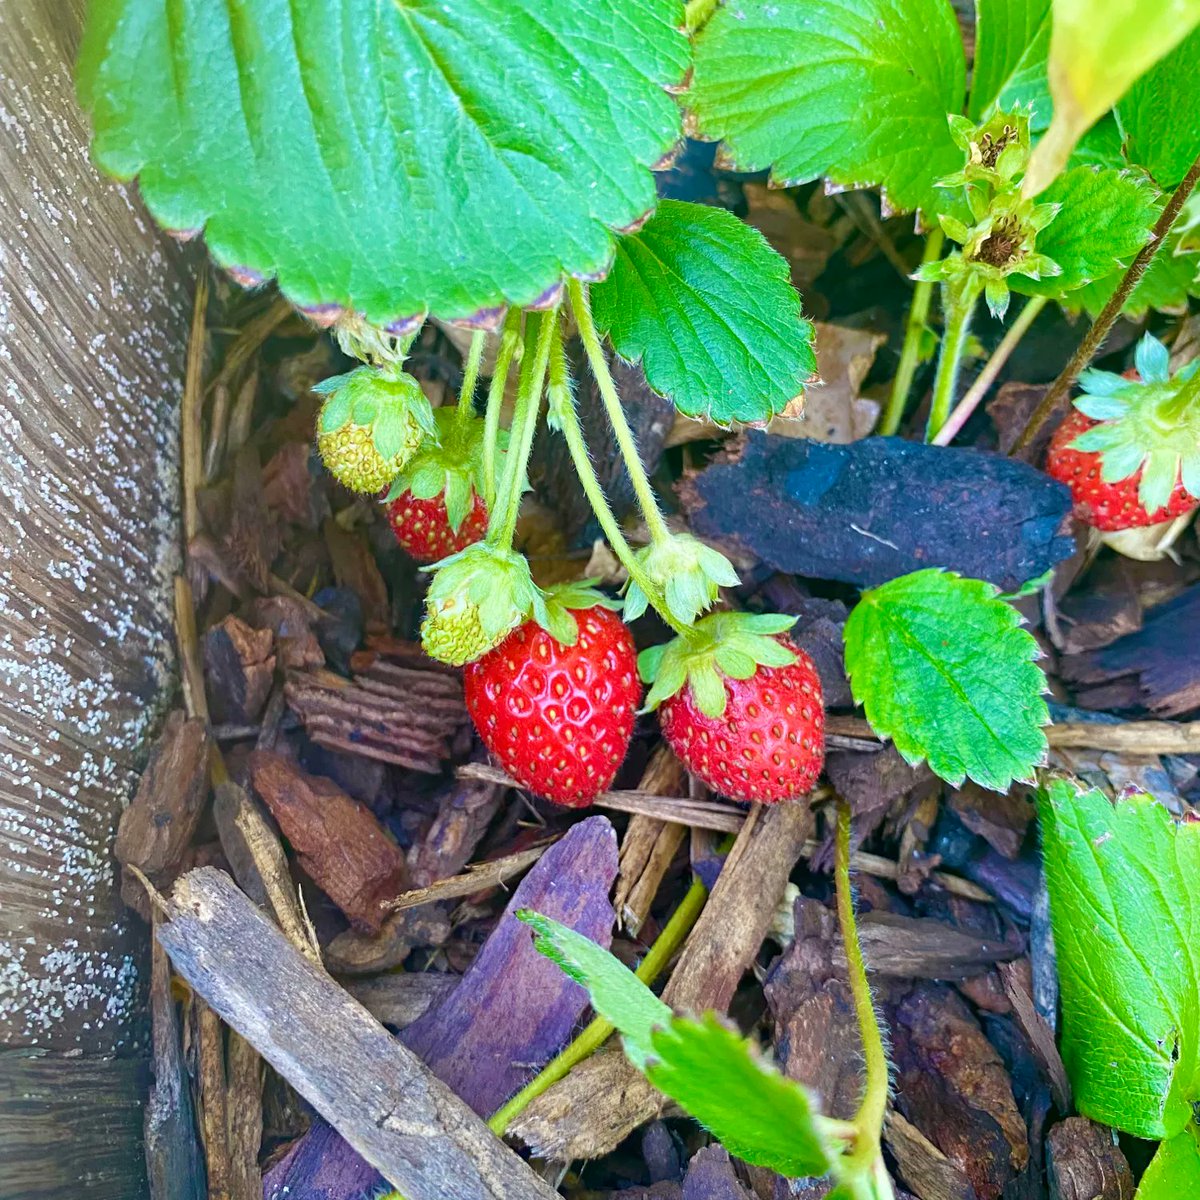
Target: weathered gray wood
{"x": 70, "y": 1127}
{"x": 94, "y": 309}
{"x": 378, "y": 1095}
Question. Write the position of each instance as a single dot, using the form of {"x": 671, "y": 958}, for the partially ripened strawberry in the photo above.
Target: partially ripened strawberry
{"x": 422, "y": 527}
{"x": 559, "y": 717}
{"x": 435, "y": 505}
{"x": 740, "y": 706}
{"x": 1105, "y": 506}
{"x": 1130, "y": 450}
{"x": 371, "y": 423}
{"x": 769, "y": 743}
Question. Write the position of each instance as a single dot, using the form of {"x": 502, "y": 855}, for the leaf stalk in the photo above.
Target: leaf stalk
{"x": 914, "y": 328}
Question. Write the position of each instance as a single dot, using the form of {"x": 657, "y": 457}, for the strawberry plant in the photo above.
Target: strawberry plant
{"x": 490, "y": 166}
{"x": 718, "y": 1077}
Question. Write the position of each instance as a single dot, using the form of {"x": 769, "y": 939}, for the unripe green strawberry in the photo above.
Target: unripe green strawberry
{"x": 372, "y": 422}
{"x": 453, "y": 632}
{"x": 477, "y": 597}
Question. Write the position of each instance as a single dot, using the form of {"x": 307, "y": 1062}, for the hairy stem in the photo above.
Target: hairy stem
{"x": 562, "y": 404}
{"x": 959, "y": 304}
{"x": 626, "y": 444}
{"x": 871, "y": 1111}
{"x": 464, "y": 414}
{"x": 599, "y": 1030}
{"x": 975, "y": 393}
{"x": 914, "y": 328}
{"x": 1057, "y": 392}
{"x": 539, "y": 333}
{"x": 510, "y": 339}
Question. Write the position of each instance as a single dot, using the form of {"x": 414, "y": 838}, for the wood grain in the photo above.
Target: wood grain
{"x": 71, "y": 1127}
{"x": 93, "y": 319}
{"x": 379, "y": 1096}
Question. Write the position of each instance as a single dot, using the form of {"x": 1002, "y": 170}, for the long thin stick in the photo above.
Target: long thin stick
{"x": 191, "y": 447}
{"x": 1086, "y": 351}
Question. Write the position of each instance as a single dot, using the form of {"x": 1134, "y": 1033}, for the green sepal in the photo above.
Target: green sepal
{"x": 451, "y": 463}
{"x": 331, "y": 384}
{"x": 338, "y": 407}
{"x": 997, "y": 150}
{"x": 459, "y": 494}
{"x": 717, "y": 647}
{"x": 686, "y": 572}
{"x": 390, "y": 431}
{"x": 563, "y": 600}
{"x": 475, "y": 599}
{"x": 1144, "y": 424}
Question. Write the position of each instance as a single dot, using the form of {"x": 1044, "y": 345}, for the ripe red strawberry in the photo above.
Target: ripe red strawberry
{"x": 422, "y": 527}
{"x": 559, "y": 718}
{"x": 1106, "y": 506}
{"x": 769, "y": 743}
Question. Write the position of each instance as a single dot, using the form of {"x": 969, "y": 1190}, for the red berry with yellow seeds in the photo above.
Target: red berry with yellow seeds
{"x": 423, "y": 529}
{"x": 559, "y": 717}
{"x": 1130, "y": 451}
{"x": 740, "y": 706}
{"x": 767, "y": 745}
{"x": 1105, "y": 506}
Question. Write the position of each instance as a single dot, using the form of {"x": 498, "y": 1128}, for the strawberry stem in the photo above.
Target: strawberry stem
{"x": 562, "y": 404}
{"x": 464, "y": 413}
{"x": 626, "y": 443}
{"x": 510, "y": 339}
{"x": 975, "y": 393}
{"x": 958, "y": 304}
{"x": 539, "y": 332}
{"x": 871, "y": 1111}
{"x": 914, "y": 328}
{"x": 599, "y": 1030}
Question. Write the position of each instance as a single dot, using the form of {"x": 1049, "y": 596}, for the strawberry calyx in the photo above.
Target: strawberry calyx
{"x": 997, "y": 149}
{"x": 475, "y": 599}
{"x": 722, "y": 645}
{"x": 1149, "y": 424}
{"x": 450, "y": 464}
{"x": 685, "y": 572}
{"x": 371, "y": 424}
{"x": 1002, "y": 242}
{"x": 562, "y": 600}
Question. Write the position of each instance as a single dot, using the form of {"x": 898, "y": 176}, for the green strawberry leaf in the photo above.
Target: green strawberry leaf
{"x": 1124, "y": 885}
{"x": 712, "y": 1072}
{"x": 708, "y": 306}
{"x": 1160, "y": 115}
{"x": 1174, "y": 1171}
{"x": 757, "y": 1114}
{"x": 617, "y": 994}
{"x": 943, "y": 668}
{"x": 1105, "y": 219}
{"x": 391, "y": 158}
{"x": 1012, "y": 42}
{"x": 1172, "y": 276}
{"x": 855, "y": 91}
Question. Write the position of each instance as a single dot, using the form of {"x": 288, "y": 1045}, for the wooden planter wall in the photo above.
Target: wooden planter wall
{"x": 94, "y": 312}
